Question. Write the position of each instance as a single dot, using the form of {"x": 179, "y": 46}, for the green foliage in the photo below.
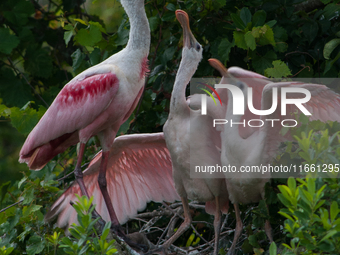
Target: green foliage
{"x": 279, "y": 70}
{"x": 311, "y": 205}
{"x": 85, "y": 239}
{"x": 312, "y": 221}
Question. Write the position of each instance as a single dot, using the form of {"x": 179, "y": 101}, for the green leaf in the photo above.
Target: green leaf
{"x": 327, "y": 247}
{"x": 292, "y": 184}
{"x": 67, "y": 36}
{"x": 280, "y": 36}
{"x": 171, "y": 7}
{"x": 329, "y": 63}
{"x": 271, "y": 23}
{"x": 35, "y": 245}
{"x": 3, "y": 190}
{"x": 245, "y": 15}
{"x": 217, "y": 4}
{"x": 311, "y": 186}
{"x": 238, "y": 21}
{"x": 7, "y": 41}
{"x": 301, "y": 215}
{"x": 153, "y": 22}
{"x": 168, "y": 16}
{"x": 123, "y": 36}
{"x": 250, "y": 40}
{"x": 224, "y": 49}
{"x": 310, "y": 30}
{"x": 272, "y": 249}
{"x": 98, "y": 25}
{"x": 286, "y": 215}
{"x": 168, "y": 55}
{"x": 259, "y": 18}
{"x": 25, "y": 120}
{"x": 88, "y": 37}
{"x": 12, "y": 90}
{"x": 279, "y": 70}
{"x": 240, "y": 40}
{"x": 95, "y": 57}
{"x": 260, "y": 63}
{"x": 328, "y": 235}
{"x": 329, "y": 47}
{"x": 331, "y": 11}
{"x": 253, "y": 241}
{"x": 266, "y": 36}
{"x": 81, "y": 21}
{"x": 78, "y": 58}
{"x": 20, "y": 13}
{"x": 334, "y": 210}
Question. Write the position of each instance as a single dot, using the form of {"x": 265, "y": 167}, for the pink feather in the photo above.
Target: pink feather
{"x": 139, "y": 171}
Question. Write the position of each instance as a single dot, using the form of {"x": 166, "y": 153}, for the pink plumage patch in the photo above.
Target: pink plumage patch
{"x": 144, "y": 68}
{"x": 93, "y": 85}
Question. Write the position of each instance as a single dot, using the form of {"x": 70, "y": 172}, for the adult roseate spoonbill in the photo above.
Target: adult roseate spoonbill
{"x": 180, "y": 139}
{"x": 139, "y": 170}
{"x": 253, "y": 147}
{"x": 95, "y": 102}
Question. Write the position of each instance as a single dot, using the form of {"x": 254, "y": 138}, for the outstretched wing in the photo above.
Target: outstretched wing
{"x": 76, "y": 106}
{"x": 139, "y": 171}
{"x": 324, "y": 105}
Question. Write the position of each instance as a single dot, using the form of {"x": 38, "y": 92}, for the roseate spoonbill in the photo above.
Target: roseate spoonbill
{"x": 139, "y": 170}
{"x": 95, "y": 102}
{"x": 180, "y": 138}
{"x": 256, "y": 146}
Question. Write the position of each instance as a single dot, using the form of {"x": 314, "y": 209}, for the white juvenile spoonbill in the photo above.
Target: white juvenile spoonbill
{"x": 258, "y": 146}
{"x": 139, "y": 170}
{"x": 181, "y": 138}
{"x": 95, "y": 102}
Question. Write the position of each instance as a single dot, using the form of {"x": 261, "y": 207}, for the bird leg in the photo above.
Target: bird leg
{"x": 184, "y": 226}
{"x": 78, "y": 173}
{"x": 79, "y": 177}
{"x": 268, "y": 228}
{"x": 217, "y": 224}
{"x": 238, "y": 229}
{"x": 117, "y": 228}
{"x": 103, "y": 188}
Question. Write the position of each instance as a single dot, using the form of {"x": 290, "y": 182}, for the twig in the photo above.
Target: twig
{"x": 301, "y": 71}
{"x": 299, "y": 52}
{"x": 167, "y": 227}
{"x": 154, "y": 214}
{"x": 2, "y": 210}
{"x": 224, "y": 222}
{"x": 192, "y": 226}
{"x": 193, "y": 204}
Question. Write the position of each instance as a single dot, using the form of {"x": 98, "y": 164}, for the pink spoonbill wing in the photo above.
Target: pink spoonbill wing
{"x": 324, "y": 105}
{"x": 76, "y": 106}
{"x": 139, "y": 171}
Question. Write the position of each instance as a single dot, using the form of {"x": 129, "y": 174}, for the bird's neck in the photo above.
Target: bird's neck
{"x": 185, "y": 71}
{"x": 139, "y": 37}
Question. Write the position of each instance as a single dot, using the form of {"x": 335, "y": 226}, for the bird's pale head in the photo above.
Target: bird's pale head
{"x": 191, "y": 48}
{"x": 227, "y": 77}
